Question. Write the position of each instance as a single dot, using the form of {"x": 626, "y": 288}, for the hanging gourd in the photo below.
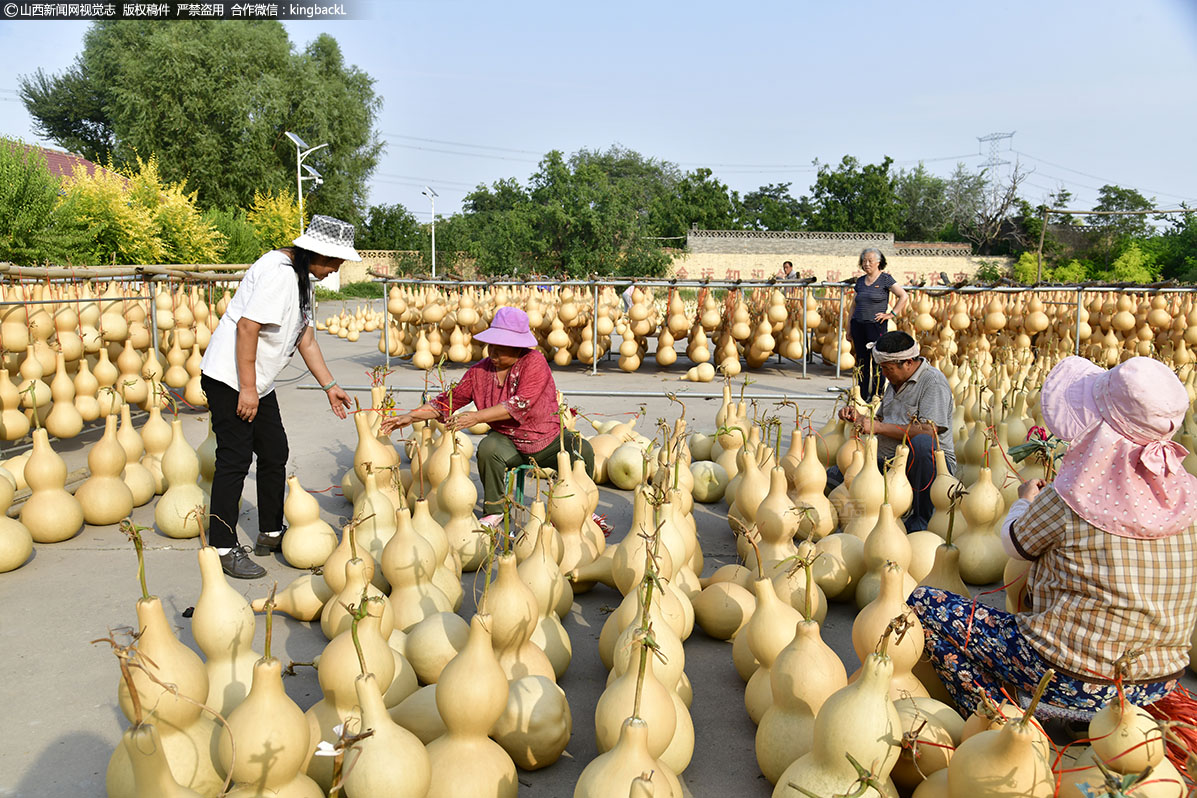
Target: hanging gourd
{"x": 64, "y": 419}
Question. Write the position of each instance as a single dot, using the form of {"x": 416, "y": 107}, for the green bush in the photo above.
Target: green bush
{"x": 989, "y": 271}
{"x": 1132, "y": 266}
{"x": 29, "y": 233}
{"x": 1072, "y": 272}
{"x": 1026, "y": 268}
{"x": 241, "y": 239}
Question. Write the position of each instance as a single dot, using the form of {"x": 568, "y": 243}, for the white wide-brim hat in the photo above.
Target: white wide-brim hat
{"x": 329, "y": 237}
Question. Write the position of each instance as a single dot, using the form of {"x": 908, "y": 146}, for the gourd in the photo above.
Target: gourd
{"x": 391, "y": 761}
{"x": 136, "y": 476}
{"x": 434, "y": 642}
{"x": 180, "y": 511}
{"x": 536, "y": 724}
{"x": 16, "y": 544}
{"x": 408, "y": 562}
{"x": 982, "y": 558}
{"x": 309, "y": 540}
{"x": 723, "y": 608}
{"x": 340, "y": 664}
{"x": 334, "y": 618}
{"x": 377, "y": 514}
{"x": 567, "y": 512}
{"x": 865, "y": 495}
{"x": 1003, "y": 762}
{"x": 618, "y": 700}
{"x": 64, "y": 419}
{"x": 613, "y": 772}
{"x": 104, "y": 496}
{"x": 51, "y": 514}
{"x": 470, "y": 697}
{"x": 302, "y": 599}
{"x": 13, "y": 423}
{"x": 513, "y": 615}
{"x": 172, "y": 703}
{"x": 935, "y": 729}
{"x": 539, "y": 571}
{"x": 151, "y": 769}
{"x": 886, "y": 543}
{"x": 818, "y": 517}
{"x": 272, "y": 736}
{"x": 769, "y": 631}
{"x": 858, "y": 720}
{"x": 871, "y": 626}
{"x": 803, "y": 676}
{"x": 223, "y": 628}
{"x": 157, "y": 435}
{"x": 777, "y": 521}
{"x": 457, "y": 496}
{"x": 710, "y": 481}
{"x": 206, "y": 452}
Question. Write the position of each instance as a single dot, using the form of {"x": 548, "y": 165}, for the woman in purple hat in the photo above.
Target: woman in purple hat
{"x": 1112, "y": 548}
{"x": 513, "y": 391}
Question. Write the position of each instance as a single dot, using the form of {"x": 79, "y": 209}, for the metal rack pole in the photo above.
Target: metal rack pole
{"x": 1077, "y": 334}
{"x": 594, "y": 333}
{"x": 805, "y": 335}
{"x": 839, "y": 341}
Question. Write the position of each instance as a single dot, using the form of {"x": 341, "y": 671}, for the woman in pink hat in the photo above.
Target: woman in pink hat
{"x": 1113, "y": 578}
{"x": 513, "y": 391}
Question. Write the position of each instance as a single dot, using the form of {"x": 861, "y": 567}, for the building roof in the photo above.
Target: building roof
{"x": 62, "y": 164}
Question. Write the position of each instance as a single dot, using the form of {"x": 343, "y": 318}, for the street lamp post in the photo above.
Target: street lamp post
{"x": 302, "y": 150}
{"x": 432, "y": 195}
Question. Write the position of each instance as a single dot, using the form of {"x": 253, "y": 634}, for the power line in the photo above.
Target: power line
{"x": 1094, "y": 177}
{"x": 426, "y": 180}
{"x": 467, "y": 154}
{"x": 461, "y": 144}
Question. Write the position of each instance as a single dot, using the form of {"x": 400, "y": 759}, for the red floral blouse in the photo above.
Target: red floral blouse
{"x": 529, "y": 394}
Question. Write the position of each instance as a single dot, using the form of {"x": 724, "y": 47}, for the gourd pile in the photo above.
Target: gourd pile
{"x": 425, "y": 323}
{"x": 458, "y": 708}
{"x": 88, "y": 350}
{"x": 748, "y": 327}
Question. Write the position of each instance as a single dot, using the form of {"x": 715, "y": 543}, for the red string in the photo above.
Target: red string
{"x": 973, "y": 609}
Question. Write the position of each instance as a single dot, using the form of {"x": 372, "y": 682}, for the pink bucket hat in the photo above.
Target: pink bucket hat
{"x": 1122, "y": 473}
{"x": 509, "y": 327}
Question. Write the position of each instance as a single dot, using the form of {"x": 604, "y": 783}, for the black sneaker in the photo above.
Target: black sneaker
{"x": 238, "y": 565}
{"x": 267, "y": 544}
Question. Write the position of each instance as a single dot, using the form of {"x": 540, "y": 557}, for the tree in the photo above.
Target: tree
{"x": 390, "y": 227}
{"x": 925, "y": 207}
{"x": 212, "y": 101}
{"x": 1118, "y": 199}
{"x": 772, "y": 207}
{"x": 855, "y": 198}
{"x": 699, "y": 199}
{"x": 964, "y": 193}
{"x": 29, "y": 230}
{"x": 1132, "y": 266}
{"x": 997, "y": 222}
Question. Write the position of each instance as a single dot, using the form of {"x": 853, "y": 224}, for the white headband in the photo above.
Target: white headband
{"x": 880, "y": 357}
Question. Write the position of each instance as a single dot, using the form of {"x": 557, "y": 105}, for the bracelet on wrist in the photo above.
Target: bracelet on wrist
{"x": 329, "y": 387}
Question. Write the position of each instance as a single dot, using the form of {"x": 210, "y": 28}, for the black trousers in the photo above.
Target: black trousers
{"x": 237, "y": 441}
{"x": 864, "y": 333}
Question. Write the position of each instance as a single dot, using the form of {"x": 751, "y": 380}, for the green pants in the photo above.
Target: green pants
{"x": 497, "y": 454}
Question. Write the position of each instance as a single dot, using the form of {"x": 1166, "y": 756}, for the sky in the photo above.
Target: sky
{"x": 1096, "y": 92}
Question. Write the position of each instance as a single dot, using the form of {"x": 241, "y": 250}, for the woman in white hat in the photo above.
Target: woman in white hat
{"x": 267, "y": 321}
{"x": 1112, "y": 584}
{"x": 514, "y": 392}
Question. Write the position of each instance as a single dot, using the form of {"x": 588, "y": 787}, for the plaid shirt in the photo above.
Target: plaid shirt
{"x": 1096, "y": 596}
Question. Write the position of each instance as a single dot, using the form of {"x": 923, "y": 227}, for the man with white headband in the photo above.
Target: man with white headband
{"x": 916, "y": 410}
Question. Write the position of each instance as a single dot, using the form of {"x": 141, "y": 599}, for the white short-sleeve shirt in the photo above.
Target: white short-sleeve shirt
{"x": 269, "y": 295}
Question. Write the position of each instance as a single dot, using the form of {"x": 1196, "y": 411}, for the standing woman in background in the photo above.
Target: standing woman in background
{"x": 267, "y": 321}
{"x": 871, "y": 316}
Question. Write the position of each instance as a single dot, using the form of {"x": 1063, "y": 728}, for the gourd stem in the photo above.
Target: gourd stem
{"x": 269, "y": 621}
{"x": 1040, "y": 689}
{"x": 356, "y": 615}
{"x": 134, "y": 534}
{"x": 807, "y": 609}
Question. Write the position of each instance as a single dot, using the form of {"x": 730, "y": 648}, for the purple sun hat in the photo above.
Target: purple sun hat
{"x": 509, "y": 327}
